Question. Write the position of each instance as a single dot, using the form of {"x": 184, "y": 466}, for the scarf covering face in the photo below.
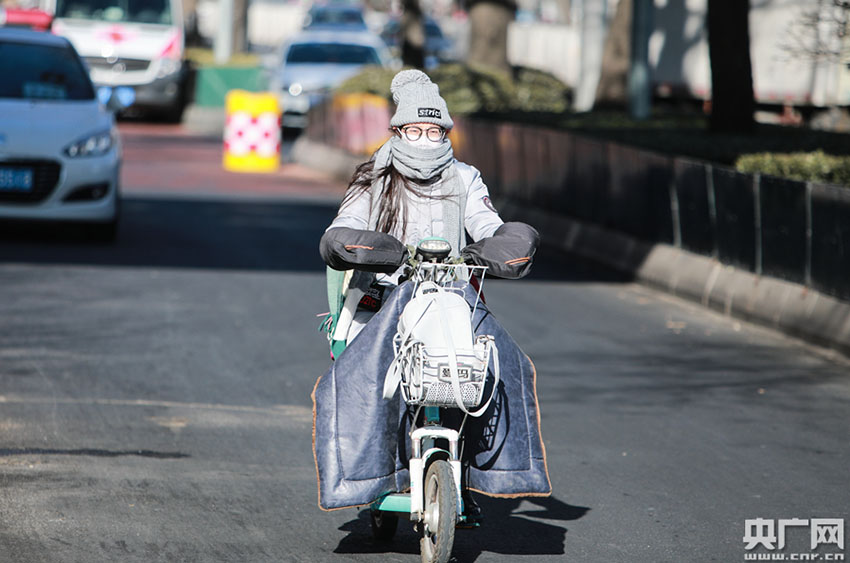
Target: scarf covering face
{"x": 417, "y": 163}
{"x": 449, "y": 186}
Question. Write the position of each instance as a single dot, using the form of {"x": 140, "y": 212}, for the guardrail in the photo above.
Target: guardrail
{"x": 793, "y": 231}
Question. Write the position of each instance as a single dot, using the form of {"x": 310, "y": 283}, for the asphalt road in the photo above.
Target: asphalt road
{"x": 155, "y": 395}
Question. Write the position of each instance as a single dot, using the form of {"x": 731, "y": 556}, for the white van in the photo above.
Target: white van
{"x": 135, "y": 43}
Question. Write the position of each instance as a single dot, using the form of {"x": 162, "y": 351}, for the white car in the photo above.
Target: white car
{"x": 132, "y": 43}
{"x": 314, "y": 62}
{"x": 60, "y": 154}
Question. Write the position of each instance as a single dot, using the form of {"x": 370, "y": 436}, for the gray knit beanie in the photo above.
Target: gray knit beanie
{"x": 418, "y": 100}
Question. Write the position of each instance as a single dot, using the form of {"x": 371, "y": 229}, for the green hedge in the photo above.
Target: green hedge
{"x": 807, "y": 167}
{"x": 469, "y": 90}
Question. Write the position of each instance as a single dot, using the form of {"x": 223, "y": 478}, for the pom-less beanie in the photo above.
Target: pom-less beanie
{"x": 418, "y": 100}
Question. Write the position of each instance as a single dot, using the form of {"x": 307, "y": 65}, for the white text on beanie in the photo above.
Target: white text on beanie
{"x": 418, "y": 100}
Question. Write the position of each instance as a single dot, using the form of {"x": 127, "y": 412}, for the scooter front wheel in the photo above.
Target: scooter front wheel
{"x": 440, "y": 514}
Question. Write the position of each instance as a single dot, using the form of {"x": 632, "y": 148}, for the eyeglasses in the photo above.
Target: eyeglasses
{"x": 413, "y": 133}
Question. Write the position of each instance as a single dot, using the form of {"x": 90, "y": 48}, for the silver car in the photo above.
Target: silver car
{"x": 314, "y": 62}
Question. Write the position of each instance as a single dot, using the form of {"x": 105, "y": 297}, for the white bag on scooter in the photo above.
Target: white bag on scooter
{"x": 438, "y": 361}
{"x": 421, "y": 317}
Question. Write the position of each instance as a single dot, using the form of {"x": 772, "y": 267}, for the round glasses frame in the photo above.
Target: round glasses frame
{"x": 433, "y": 134}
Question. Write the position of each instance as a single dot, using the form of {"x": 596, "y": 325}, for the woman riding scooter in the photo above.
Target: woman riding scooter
{"x": 413, "y": 188}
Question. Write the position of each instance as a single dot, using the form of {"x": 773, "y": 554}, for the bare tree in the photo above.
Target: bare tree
{"x": 565, "y": 11}
{"x": 821, "y": 33}
{"x": 613, "y": 78}
{"x": 732, "y": 100}
{"x": 240, "y": 26}
{"x": 488, "y": 33}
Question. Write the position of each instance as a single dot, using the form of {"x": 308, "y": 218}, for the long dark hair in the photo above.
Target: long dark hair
{"x": 392, "y": 210}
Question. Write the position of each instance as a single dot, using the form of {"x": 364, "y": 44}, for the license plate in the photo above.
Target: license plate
{"x": 13, "y": 179}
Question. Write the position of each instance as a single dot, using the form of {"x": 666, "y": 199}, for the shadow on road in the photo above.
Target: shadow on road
{"x": 7, "y": 452}
{"x": 264, "y": 235}
{"x": 185, "y": 233}
{"x": 508, "y": 530}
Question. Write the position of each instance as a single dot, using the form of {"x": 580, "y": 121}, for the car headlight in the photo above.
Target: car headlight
{"x": 168, "y": 66}
{"x": 96, "y": 144}
{"x": 295, "y": 89}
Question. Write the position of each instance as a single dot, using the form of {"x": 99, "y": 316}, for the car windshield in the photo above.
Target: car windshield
{"x": 338, "y": 53}
{"x": 139, "y": 11}
{"x": 42, "y": 72}
{"x": 336, "y": 17}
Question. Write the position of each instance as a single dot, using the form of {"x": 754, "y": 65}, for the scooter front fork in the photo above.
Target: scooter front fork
{"x": 424, "y": 448}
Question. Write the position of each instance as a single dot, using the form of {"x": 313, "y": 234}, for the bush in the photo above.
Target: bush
{"x": 371, "y": 80}
{"x": 807, "y": 167}
{"x": 469, "y": 90}
{"x": 539, "y": 91}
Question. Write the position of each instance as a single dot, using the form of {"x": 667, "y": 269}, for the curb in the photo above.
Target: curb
{"x": 791, "y": 308}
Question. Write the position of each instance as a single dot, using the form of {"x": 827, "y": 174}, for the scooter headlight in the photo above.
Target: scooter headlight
{"x": 434, "y": 248}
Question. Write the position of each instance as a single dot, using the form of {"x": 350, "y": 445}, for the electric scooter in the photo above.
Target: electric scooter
{"x": 439, "y": 364}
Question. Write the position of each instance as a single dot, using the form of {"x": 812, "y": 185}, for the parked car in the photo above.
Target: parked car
{"x": 438, "y": 47}
{"x": 314, "y": 62}
{"x": 335, "y": 16}
{"x": 60, "y": 153}
{"x": 133, "y": 43}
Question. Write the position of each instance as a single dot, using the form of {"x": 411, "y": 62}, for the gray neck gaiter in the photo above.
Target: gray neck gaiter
{"x": 417, "y": 163}
{"x": 449, "y": 187}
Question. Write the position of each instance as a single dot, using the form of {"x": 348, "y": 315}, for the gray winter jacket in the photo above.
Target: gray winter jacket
{"x": 351, "y": 241}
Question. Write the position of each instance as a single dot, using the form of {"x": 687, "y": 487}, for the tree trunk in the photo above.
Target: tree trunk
{"x": 412, "y": 30}
{"x": 593, "y": 24}
{"x": 565, "y": 7}
{"x": 190, "y": 23}
{"x": 488, "y": 34}
{"x": 613, "y": 78}
{"x": 732, "y": 101}
{"x": 640, "y": 75}
{"x": 240, "y": 26}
